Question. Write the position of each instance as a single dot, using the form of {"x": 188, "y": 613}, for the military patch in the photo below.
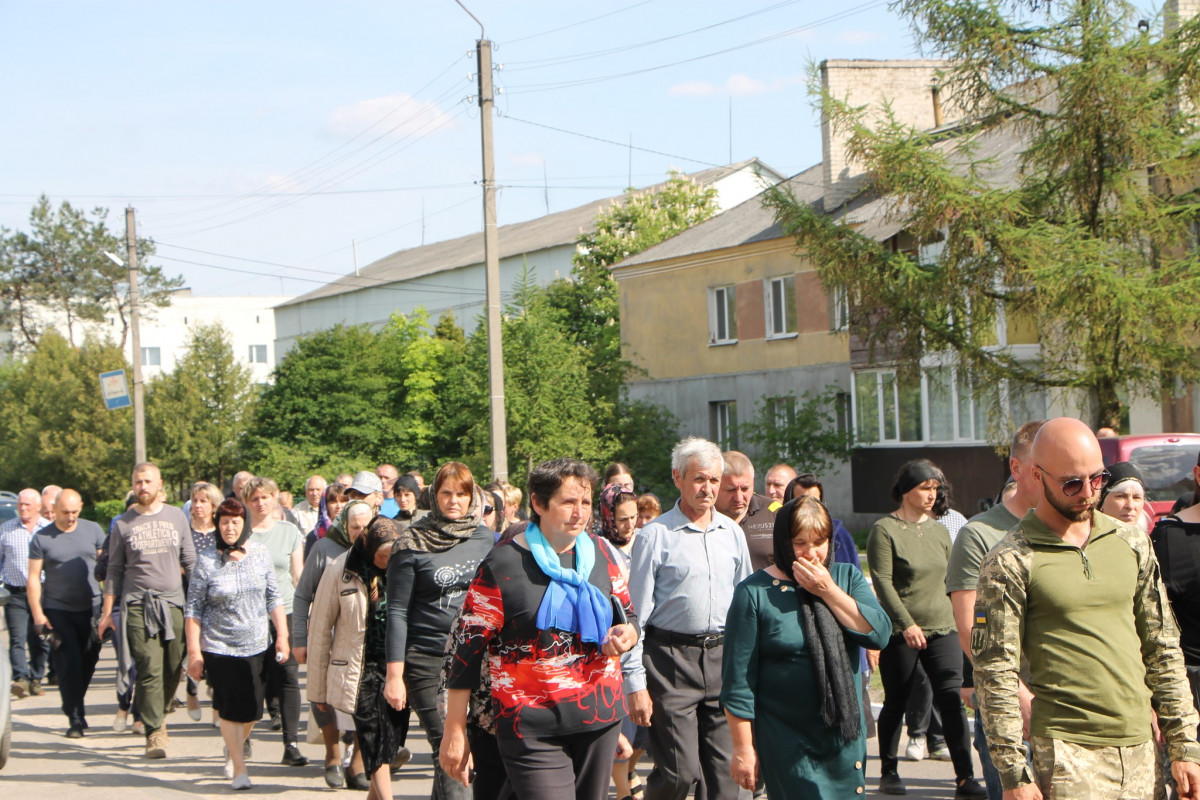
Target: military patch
{"x": 980, "y": 618}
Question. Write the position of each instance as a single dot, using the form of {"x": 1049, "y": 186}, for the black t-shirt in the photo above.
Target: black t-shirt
{"x": 425, "y": 592}
{"x": 1177, "y": 546}
{"x": 69, "y": 561}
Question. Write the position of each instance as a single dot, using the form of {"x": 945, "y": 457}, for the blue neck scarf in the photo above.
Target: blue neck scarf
{"x": 571, "y": 602}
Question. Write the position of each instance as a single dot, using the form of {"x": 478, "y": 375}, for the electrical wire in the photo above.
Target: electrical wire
{"x": 623, "y": 145}
{"x": 547, "y": 87}
{"x": 577, "y": 24}
{"x": 554, "y": 61}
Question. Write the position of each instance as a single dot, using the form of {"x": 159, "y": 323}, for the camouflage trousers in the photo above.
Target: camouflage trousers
{"x": 1072, "y": 771}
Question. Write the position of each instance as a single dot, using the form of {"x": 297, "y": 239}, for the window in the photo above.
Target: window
{"x": 723, "y": 422}
{"x": 722, "y": 315}
{"x": 151, "y": 357}
{"x": 781, "y": 306}
{"x": 839, "y": 309}
{"x": 258, "y": 354}
{"x": 887, "y": 407}
{"x": 781, "y": 411}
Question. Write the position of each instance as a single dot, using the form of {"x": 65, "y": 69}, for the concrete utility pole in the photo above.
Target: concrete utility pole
{"x": 139, "y": 406}
{"x": 491, "y": 257}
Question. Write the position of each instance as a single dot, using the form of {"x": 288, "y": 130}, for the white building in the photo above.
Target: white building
{"x": 249, "y": 320}
{"x": 449, "y": 275}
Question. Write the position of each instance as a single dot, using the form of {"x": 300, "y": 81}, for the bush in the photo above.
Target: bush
{"x": 103, "y": 511}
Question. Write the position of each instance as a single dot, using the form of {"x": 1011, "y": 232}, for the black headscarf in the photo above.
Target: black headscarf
{"x": 822, "y": 633}
{"x": 231, "y": 507}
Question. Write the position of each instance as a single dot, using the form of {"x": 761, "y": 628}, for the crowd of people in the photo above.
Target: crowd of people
{"x": 730, "y": 637}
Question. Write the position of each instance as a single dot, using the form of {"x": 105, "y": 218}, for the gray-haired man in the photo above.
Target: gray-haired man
{"x": 685, "y": 566}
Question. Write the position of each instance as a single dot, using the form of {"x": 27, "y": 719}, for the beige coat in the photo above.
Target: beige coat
{"x": 337, "y": 633}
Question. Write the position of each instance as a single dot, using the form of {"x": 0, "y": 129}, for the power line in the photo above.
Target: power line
{"x": 540, "y": 63}
{"x": 546, "y": 87}
{"x": 581, "y": 22}
{"x": 622, "y": 145}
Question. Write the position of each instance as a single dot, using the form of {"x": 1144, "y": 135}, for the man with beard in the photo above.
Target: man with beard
{"x": 683, "y": 572}
{"x": 149, "y": 544}
{"x": 1079, "y": 594}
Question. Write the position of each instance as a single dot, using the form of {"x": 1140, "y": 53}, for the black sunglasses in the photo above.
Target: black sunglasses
{"x": 1074, "y": 486}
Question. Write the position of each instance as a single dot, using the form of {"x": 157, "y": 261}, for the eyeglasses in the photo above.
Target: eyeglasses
{"x": 1074, "y": 486}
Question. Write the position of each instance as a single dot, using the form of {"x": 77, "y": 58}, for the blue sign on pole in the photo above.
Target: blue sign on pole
{"x": 115, "y": 389}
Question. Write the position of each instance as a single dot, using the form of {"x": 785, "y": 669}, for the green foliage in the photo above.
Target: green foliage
{"x": 54, "y": 422}
{"x": 645, "y": 434}
{"x": 102, "y": 511}
{"x": 1088, "y": 240}
{"x": 59, "y": 267}
{"x": 589, "y": 302}
{"x": 196, "y": 416}
{"x": 800, "y": 431}
{"x": 545, "y": 383}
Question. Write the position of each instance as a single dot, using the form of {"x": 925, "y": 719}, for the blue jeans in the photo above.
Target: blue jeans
{"x": 991, "y": 778}
{"x": 20, "y": 633}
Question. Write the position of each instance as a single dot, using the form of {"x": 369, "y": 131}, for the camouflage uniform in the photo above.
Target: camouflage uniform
{"x": 1013, "y": 597}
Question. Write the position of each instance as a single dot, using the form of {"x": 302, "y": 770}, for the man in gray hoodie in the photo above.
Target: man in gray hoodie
{"x": 150, "y": 548}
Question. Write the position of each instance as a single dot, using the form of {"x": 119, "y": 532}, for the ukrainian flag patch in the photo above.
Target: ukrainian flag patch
{"x": 980, "y": 619}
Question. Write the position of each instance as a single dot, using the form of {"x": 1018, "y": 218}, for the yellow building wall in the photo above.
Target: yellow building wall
{"x": 664, "y": 315}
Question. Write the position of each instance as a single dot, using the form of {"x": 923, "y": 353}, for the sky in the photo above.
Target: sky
{"x": 264, "y": 144}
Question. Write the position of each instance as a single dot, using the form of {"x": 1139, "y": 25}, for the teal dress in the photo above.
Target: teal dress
{"x": 767, "y": 677}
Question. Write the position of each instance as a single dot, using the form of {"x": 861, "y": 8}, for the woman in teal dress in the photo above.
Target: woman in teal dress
{"x": 790, "y": 678}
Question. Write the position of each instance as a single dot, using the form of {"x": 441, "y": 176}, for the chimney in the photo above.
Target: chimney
{"x": 910, "y": 85}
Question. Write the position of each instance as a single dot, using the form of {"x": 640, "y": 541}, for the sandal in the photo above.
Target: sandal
{"x": 635, "y": 789}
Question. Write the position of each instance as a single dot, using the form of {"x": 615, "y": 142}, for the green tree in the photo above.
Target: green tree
{"x": 646, "y": 433}
{"x": 59, "y": 267}
{"x": 197, "y": 415}
{"x": 55, "y": 424}
{"x": 800, "y": 431}
{"x": 549, "y": 413}
{"x": 589, "y": 303}
{"x": 1088, "y": 238}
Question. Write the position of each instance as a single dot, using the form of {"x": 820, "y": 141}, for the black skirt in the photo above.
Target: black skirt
{"x": 378, "y": 725}
{"x": 237, "y": 686}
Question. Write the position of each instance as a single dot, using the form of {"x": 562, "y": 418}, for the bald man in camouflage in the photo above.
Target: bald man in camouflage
{"x": 1079, "y": 594}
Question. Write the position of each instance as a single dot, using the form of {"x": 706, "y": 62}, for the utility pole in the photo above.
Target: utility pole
{"x": 491, "y": 257}
{"x": 139, "y": 406}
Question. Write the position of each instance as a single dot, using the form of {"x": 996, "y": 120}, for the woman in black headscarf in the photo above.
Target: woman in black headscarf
{"x": 790, "y": 681}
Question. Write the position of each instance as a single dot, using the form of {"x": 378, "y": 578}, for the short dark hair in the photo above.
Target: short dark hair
{"x": 547, "y": 478}
{"x": 806, "y": 480}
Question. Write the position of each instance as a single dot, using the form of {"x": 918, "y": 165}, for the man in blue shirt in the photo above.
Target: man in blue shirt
{"x": 15, "y": 535}
{"x": 683, "y": 572}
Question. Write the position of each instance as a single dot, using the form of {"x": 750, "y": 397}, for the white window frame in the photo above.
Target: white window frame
{"x": 724, "y": 424}
{"x": 151, "y": 357}
{"x": 254, "y": 350}
{"x": 783, "y": 286}
{"x": 877, "y": 375}
{"x": 839, "y": 309}
{"x": 722, "y": 298}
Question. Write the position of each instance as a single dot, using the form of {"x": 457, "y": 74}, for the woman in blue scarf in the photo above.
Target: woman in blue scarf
{"x": 540, "y": 612}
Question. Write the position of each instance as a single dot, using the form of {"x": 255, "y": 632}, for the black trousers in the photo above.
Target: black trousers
{"x": 283, "y": 681}
{"x": 421, "y": 672}
{"x": 75, "y": 658}
{"x": 689, "y": 736}
{"x": 576, "y": 765}
{"x": 942, "y": 659}
{"x": 491, "y": 777}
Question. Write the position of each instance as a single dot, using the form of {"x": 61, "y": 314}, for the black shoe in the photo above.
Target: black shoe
{"x": 292, "y": 757}
{"x": 276, "y": 722}
{"x": 335, "y": 777}
{"x": 359, "y": 781}
{"x": 969, "y": 789}
{"x": 890, "y": 783}
{"x": 75, "y": 732}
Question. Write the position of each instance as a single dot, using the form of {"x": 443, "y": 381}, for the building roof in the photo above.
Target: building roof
{"x": 875, "y": 217}
{"x": 531, "y": 236}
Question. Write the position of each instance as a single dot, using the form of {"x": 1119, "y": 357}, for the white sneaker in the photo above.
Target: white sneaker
{"x": 916, "y": 749}
{"x": 120, "y": 722}
{"x": 241, "y": 782}
{"x": 228, "y": 762}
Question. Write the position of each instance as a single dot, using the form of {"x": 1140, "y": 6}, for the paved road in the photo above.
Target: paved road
{"x": 110, "y": 766}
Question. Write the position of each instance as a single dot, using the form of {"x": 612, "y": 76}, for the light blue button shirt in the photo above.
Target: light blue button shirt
{"x": 682, "y": 577}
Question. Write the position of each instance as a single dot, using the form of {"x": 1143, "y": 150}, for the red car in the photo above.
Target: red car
{"x": 1165, "y": 461}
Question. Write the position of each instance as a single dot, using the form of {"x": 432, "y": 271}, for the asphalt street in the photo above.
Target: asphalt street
{"x": 110, "y": 766}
